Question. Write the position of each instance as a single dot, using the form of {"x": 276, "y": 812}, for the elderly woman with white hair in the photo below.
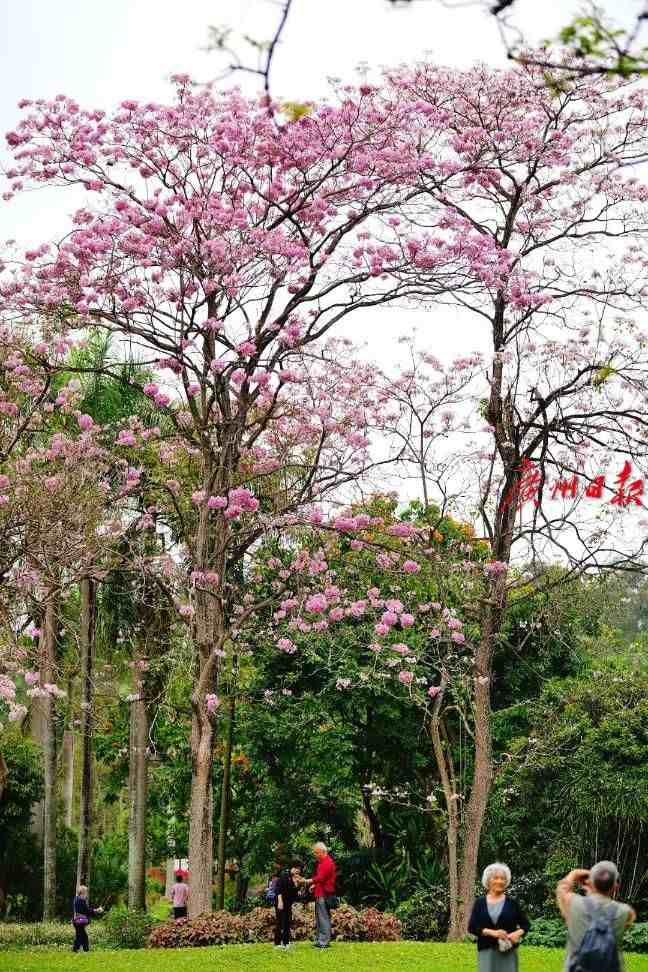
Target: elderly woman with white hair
{"x": 498, "y": 922}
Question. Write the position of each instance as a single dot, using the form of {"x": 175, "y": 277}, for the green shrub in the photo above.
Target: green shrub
{"x": 126, "y": 928}
{"x": 155, "y": 887}
{"x": 547, "y": 932}
{"x": 109, "y": 869}
{"x": 424, "y": 916}
{"x": 636, "y": 937}
{"x": 46, "y": 934}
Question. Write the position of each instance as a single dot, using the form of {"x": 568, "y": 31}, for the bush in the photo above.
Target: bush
{"x": 219, "y": 928}
{"x": 636, "y": 937}
{"x": 547, "y": 932}
{"x": 425, "y": 916}
{"x": 109, "y": 869}
{"x": 128, "y": 929}
{"x": 45, "y": 933}
{"x": 223, "y": 928}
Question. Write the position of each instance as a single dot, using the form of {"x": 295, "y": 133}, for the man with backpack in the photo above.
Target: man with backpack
{"x": 595, "y": 921}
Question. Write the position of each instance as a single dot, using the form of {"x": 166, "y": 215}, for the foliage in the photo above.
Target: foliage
{"x": 547, "y": 933}
{"x": 109, "y": 868}
{"x": 23, "y": 788}
{"x": 34, "y": 934}
{"x": 223, "y": 928}
{"x": 424, "y": 916}
{"x": 573, "y": 787}
{"x": 128, "y": 928}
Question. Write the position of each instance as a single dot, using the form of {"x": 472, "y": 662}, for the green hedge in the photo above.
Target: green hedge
{"x": 46, "y": 933}
{"x": 551, "y": 933}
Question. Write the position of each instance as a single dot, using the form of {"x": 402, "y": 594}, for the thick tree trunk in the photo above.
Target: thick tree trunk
{"x": 225, "y": 806}
{"x": 68, "y": 777}
{"x": 137, "y": 789}
{"x": 201, "y": 836}
{"x": 46, "y": 704}
{"x": 88, "y": 615}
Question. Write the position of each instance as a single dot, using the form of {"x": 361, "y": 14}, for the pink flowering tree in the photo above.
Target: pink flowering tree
{"x": 554, "y": 452}
{"x": 58, "y": 492}
{"x": 223, "y": 238}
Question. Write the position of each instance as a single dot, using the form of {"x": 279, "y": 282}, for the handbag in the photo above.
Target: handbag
{"x": 80, "y": 920}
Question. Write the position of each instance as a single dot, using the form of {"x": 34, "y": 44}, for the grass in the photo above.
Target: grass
{"x": 405, "y": 956}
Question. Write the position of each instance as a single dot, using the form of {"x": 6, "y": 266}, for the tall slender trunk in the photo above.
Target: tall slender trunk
{"x": 68, "y": 776}
{"x": 137, "y": 789}
{"x": 445, "y": 766}
{"x": 47, "y": 648}
{"x": 88, "y": 616}
{"x": 225, "y": 806}
{"x": 209, "y": 633}
{"x": 170, "y": 875}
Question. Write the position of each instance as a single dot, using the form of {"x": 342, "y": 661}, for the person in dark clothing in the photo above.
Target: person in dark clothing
{"x": 498, "y": 922}
{"x": 287, "y": 891}
{"x": 82, "y": 915}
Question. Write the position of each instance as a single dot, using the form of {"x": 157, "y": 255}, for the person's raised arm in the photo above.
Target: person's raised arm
{"x": 565, "y": 888}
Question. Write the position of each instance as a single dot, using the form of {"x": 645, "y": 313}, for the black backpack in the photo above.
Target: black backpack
{"x": 598, "y": 950}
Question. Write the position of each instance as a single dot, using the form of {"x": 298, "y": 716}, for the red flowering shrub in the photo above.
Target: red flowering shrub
{"x": 222, "y": 928}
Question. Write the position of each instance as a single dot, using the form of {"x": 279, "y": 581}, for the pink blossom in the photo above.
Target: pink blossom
{"x": 411, "y": 567}
{"x": 406, "y": 677}
{"x": 287, "y": 646}
{"x": 401, "y": 648}
{"x": 389, "y": 618}
{"x": 495, "y": 568}
{"x": 85, "y": 422}
{"x": 407, "y": 620}
{"x": 433, "y": 691}
{"x": 458, "y": 637}
{"x": 381, "y": 629}
{"x": 211, "y": 702}
{"x": 316, "y": 603}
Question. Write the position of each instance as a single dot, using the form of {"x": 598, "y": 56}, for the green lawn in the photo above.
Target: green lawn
{"x": 414, "y": 956}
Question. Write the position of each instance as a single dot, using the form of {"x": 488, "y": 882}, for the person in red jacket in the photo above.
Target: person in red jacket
{"x": 323, "y": 884}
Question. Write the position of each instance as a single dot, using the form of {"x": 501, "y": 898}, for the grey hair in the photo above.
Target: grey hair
{"x": 320, "y": 846}
{"x": 493, "y": 869}
{"x": 604, "y": 871}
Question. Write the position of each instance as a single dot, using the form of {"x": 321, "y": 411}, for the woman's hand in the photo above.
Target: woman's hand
{"x": 279, "y": 903}
{"x": 495, "y": 932}
{"x": 515, "y": 936}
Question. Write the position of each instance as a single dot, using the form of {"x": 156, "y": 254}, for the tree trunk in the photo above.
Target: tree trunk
{"x": 68, "y": 777}
{"x": 372, "y": 820}
{"x": 481, "y": 784}
{"x": 137, "y": 788}
{"x": 88, "y": 615}
{"x": 225, "y": 806}
{"x": 449, "y": 784}
{"x": 170, "y": 876}
{"x": 47, "y": 647}
{"x": 201, "y": 836}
